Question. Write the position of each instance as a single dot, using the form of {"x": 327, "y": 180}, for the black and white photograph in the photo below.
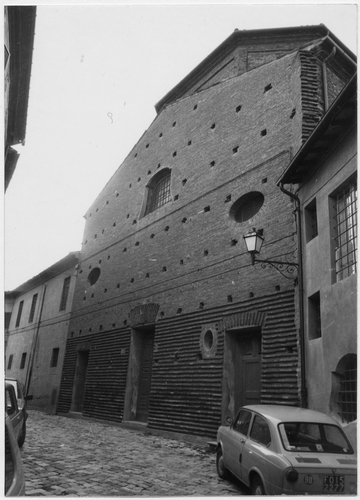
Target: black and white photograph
{"x": 180, "y": 249}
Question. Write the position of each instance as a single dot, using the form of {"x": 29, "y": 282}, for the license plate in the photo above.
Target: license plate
{"x": 334, "y": 484}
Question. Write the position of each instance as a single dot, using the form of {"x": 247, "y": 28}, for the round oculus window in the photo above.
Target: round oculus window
{"x": 94, "y": 275}
{"x": 247, "y": 206}
{"x": 208, "y": 340}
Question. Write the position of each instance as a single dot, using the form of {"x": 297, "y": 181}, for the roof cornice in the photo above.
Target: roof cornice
{"x": 239, "y": 38}
{"x": 59, "y": 267}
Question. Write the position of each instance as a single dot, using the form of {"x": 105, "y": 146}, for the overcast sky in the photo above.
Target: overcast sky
{"x": 97, "y": 73}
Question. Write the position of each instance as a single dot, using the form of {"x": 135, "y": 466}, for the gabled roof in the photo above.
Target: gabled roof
{"x": 303, "y": 35}
{"x": 341, "y": 115}
{"x": 62, "y": 265}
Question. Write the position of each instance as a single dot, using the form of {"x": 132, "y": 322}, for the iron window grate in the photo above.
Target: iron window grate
{"x": 346, "y": 231}
{"x": 161, "y": 193}
{"x": 347, "y": 399}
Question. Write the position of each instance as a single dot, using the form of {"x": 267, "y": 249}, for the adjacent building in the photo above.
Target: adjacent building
{"x": 172, "y": 327}
{"x": 37, "y": 320}
{"x": 323, "y": 175}
{"x": 19, "y": 26}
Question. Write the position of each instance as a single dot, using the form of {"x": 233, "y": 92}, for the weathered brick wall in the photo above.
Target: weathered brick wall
{"x": 189, "y": 256}
{"x": 136, "y": 247}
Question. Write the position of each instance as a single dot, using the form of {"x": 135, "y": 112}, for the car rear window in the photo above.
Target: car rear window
{"x": 314, "y": 437}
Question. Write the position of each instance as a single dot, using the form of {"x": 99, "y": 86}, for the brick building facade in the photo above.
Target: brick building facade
{"x": 171, "y": 324}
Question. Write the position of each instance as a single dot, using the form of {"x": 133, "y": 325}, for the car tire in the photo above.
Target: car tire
{"x": 257, "y": 487}
{"x": 220, "y": 465}
{"x": 22, "y": 436}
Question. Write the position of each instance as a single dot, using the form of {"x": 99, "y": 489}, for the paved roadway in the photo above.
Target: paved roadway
{"x": 65, "y": 456}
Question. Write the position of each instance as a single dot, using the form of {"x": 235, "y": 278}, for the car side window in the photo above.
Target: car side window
{"x": 242, "y": 422}
{"x": 260, "y": 431}
{"x": 10, "y": 403}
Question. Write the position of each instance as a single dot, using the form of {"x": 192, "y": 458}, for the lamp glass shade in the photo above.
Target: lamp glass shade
{"x": 253, "y": 242}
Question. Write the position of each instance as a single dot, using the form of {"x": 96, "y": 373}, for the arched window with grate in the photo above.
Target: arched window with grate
{"x": 158, "y": 191}
{"x": 347, "y": 399}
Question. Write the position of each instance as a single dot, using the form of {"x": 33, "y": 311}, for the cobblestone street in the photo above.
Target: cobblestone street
{"x": 64, "y": 456}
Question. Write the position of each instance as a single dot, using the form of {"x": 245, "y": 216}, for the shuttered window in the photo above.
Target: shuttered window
{"x": 33, "y": 307}
{"x": 21, "y": 305}
{"x": 65, "y": 293}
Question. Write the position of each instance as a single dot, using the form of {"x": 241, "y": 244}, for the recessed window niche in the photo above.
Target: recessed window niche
{"x": 246, "y": 206}
{"x": 208, "y": 341}
{"x": 94, "y": 275}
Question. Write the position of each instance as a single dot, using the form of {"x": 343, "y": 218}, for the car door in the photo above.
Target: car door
{"x": 16, "y": 416}
{"x": 236, "y": 438}
{"x": 256, "y": 453}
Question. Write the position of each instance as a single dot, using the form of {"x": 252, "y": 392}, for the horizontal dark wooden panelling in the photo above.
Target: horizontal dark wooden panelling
{"x": 186, "y": 391}
{"x": 106, "y": 374}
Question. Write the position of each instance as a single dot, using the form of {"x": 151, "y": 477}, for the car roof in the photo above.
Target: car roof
{"x": 282, "y": 413}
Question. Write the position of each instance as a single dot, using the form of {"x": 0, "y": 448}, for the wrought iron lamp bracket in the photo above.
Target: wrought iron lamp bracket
{"x": 287, "y": 269}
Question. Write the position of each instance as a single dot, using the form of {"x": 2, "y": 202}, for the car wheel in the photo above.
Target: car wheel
{"x": 257, "y": 487}
{"x": 220, "y": 465}
{"x": 22, "y": 436}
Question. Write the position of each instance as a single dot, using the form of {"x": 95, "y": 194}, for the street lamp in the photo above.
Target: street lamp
{"x": 253, "y": 241}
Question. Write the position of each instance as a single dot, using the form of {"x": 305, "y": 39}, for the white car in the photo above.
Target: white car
{"x": 277, "y": 450}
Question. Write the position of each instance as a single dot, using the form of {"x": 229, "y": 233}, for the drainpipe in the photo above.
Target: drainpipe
{"x": 303, "y": 388}
{"x": 33, "y": 346}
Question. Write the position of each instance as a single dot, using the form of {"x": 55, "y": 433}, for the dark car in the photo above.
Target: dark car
{"x": 17, "y": 416}
{"x": 14, "y": 475}
{"x": 20, "y": 392}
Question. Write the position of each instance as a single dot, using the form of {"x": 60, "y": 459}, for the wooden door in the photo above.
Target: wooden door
{"x": 80, "y": 381}
{"x": 145, "y": 377}
{"x": 248, "y": 369}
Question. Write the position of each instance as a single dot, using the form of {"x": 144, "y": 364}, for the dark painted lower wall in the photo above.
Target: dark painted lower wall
{"x": 106, "y": 374}
{"x": 187, "y": 386}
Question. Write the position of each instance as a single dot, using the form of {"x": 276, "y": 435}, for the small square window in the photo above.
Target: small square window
{"x": 311, "y": 225}
{"x": 23, "y": 361}
{"x": 21, "y": 305}
{"x": 65, "y": 293}
{"x": 33, "y": 307}
{"x": 11, "y": 357}
{"x": 314, "y": 316}
{"x": 54, "y": 357}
